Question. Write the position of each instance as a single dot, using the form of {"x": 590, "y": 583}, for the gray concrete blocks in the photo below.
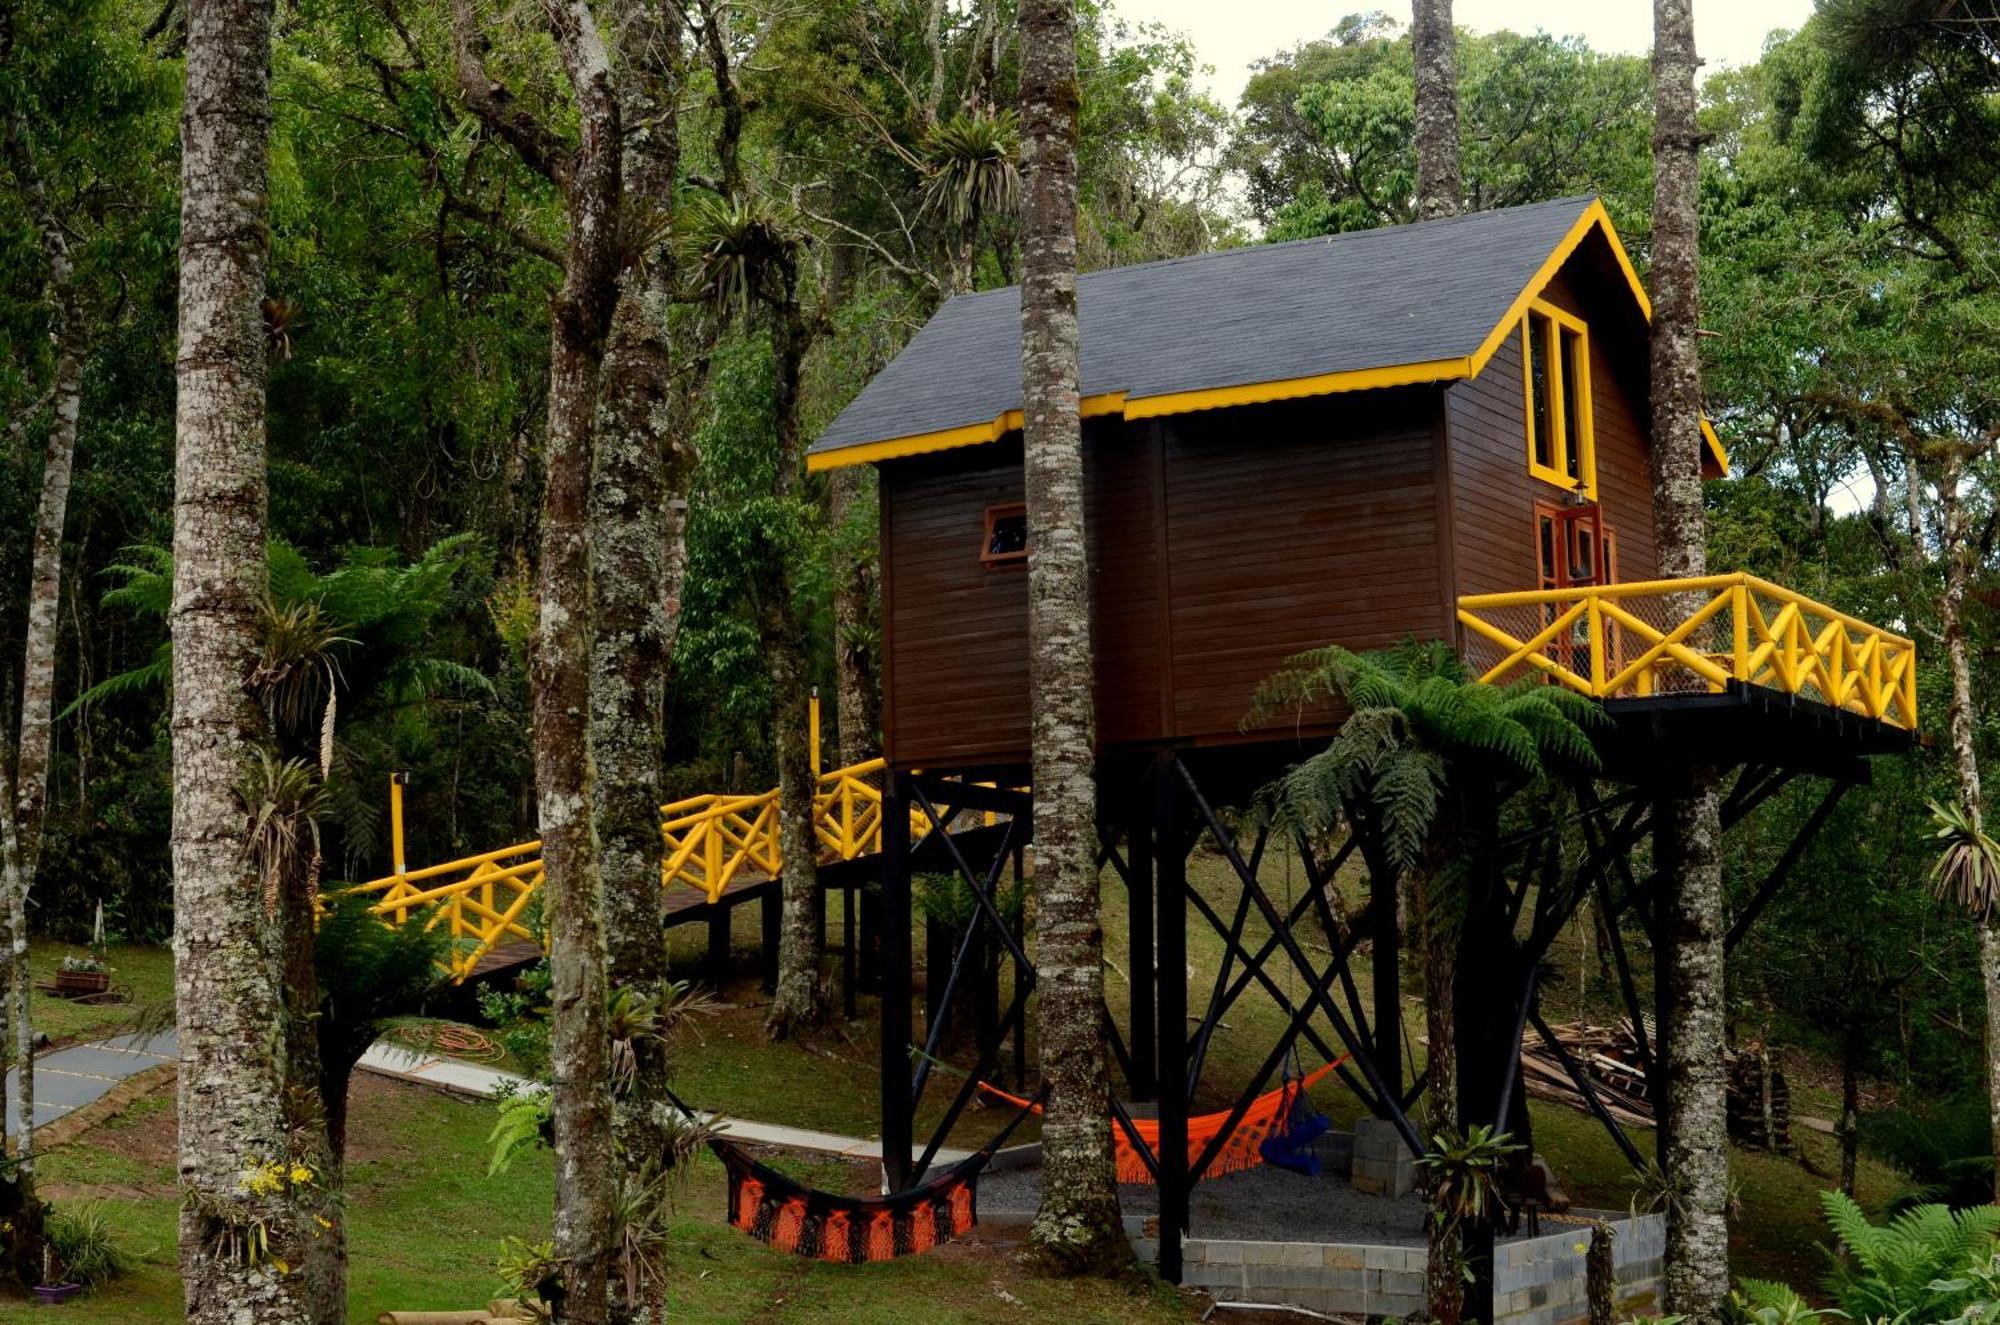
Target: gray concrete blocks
{"x": 1538, "y": 1281}
{"x": 1382, "y": 1164}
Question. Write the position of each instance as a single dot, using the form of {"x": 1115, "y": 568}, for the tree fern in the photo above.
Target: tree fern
{"x": 1918, "y": 1266}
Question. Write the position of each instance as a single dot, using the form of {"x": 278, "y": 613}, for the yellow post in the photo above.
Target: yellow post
{"x": 812, "y": 721}
{"x": 1739, "y": 608}
{"x": 396, "y": 781}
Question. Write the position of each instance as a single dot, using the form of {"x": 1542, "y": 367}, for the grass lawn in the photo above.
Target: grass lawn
{"x": 144, "y": 975}
{"x": 425, "y": 1223}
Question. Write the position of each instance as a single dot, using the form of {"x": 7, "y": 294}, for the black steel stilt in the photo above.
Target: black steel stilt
{"x": 718, "y": 944}
{"x": 770, "y": 910}
{"x": 897, "y": 1110}
{"x": 1170, "y": 865}
{"x": 1139, "y": 946}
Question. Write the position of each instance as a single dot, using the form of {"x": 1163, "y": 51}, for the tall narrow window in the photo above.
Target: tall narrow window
{"x": 1555, "y": 373}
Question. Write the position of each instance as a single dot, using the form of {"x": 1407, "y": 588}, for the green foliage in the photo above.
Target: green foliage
{"x": 1765, "y": 1302}
{"x": 1328, "y": 137}
{"x": 526, "y": 1120}
{"x": 1415, "y": 723}
{"x": 519, "y": 1017}
{"x": 1945, "y": 1146}
{"x": 1462, "y": 1173}
{"x": 1967, "y": 870}
{"x": 368, "y": 972}
{"x": 948, "y": 899}
{"x": 1925, "y": 1264}
{"x": 84, "y": 1244}
{"x": 971, "y": 162}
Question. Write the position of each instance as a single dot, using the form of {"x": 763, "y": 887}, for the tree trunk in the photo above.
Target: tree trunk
{"x": 226, "y": 974}
{"x": 323, "y": 1269}
{"x": 1689, "y": 828}
{"x": 1962, "y": 719}
{"x": 1434, "y": 44}
{"x": 1850, "y": 1105}
{"x": 586, "y": 1186}
{"x": 799, "y": 1002}
{"x": 640, "y": 473}
{"x": 1437, "y": 947}
{"x": 858, "y": 683}
{"x": 24, "y": 788}
{"x": 1078, "y": 1228}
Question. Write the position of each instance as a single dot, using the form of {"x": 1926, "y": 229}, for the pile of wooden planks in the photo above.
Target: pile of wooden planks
{"x": 1608, "y": 1056}
{"x": 1759, "y": 1097}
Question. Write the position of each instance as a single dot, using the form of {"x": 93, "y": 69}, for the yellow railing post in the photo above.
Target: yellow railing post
{"x": 396, "y": 864}
{"x": 1739, "y": 609}
{"x": 812, "y": 738}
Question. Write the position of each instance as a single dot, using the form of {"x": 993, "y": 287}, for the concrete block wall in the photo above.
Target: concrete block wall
{"x": 1538, "y": 1281}
{"x": 1382, "y": 1163}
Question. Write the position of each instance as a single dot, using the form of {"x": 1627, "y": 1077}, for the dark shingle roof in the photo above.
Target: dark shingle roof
{"x": 1365, "y": 299}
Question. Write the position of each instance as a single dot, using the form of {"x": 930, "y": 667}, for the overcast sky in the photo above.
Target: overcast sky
{"x": 1229, "y": 34}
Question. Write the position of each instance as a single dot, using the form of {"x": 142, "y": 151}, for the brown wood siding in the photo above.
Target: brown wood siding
{"x": 955, "y": 632}
{"x": 1290, "y": 527}
{"x": 1493, "y": 495}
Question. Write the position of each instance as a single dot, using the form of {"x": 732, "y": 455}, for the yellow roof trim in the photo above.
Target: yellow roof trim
{"x": 1149, "y": 407}
{"x": 1323, "y": 384}
{"x": 1594, "y": 217}
{"x": 949, "y": 439}
{"x": 1715, "y": 450}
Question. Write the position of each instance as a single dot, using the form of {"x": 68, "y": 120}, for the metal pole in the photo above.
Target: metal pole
{"x": 1171, "y": 869}
{"x": 398, "y": 864}
{"x": 1139, "y": 918}
{"x": 897, "y": 1109}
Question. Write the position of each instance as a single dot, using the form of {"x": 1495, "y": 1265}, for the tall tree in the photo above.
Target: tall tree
{"x": 24, "y": 786}
{"x": 1687, "y": 843}
{"x": 1434, "y": 917}
{"x": 1434, "y": 44}
{"x": 579, "y": 1056}
{"x": 1077, "y": 1228}
{"x": 226, "y": 975}
{"x": 640, "y": 471}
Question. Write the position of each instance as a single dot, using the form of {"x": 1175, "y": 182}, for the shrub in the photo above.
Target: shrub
{"x": 81, "y": 1244}
{"x": 1926, "y": 1264}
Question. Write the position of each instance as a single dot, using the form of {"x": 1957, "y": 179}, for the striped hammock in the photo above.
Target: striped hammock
{"x": 1270, "y": 1114}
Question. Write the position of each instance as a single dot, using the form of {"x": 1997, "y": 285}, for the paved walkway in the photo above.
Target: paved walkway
{"x": 68, "y": 1079}
{"x": 391, "y": 1060}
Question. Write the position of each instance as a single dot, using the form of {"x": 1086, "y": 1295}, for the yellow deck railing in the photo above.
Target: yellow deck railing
{"x": 710, "y": 840}
{"x": 1694, "y": 635}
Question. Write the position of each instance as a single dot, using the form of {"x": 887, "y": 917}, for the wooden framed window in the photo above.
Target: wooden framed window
{"x": 1005, "y": 541}
{"x": 1575, "y": 549}
{"x": 1555, "y": 378}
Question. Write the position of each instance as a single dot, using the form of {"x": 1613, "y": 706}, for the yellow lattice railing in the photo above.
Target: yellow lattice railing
{"x": 1692, "y": 636}
{"x": 709, "y": 841}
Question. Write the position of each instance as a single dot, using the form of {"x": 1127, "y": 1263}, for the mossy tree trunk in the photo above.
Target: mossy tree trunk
{"x": 24, "y": 780}
{"x": 226, "y": 963}
{"x": 1434, "y": 44}
{"x": 1688, "y": 830}
{"x": 641, "y": 473}
{"x": 1077, "y": 1228}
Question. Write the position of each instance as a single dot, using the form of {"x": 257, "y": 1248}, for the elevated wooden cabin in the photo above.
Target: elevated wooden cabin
{"x": 1289, "y": 445}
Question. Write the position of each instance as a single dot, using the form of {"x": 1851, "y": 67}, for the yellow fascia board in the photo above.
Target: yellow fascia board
{"x": 949, "y": 439}
{"x": 1293, "y": 388}
{"x": 1594, "y": 217}
{"x": 1715, "y": 450}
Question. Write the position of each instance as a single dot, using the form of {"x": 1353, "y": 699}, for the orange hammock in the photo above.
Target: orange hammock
{"x": 1268, "y": 1114}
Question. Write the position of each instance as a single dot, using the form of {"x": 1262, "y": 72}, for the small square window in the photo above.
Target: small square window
{"x": 1006, "y": 538}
